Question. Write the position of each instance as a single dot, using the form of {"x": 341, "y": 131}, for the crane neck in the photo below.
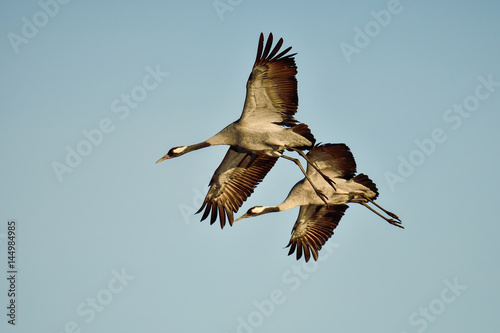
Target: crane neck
{"x": 270, "y": 209}
{"x": 273, "y": 209}
{"x": 226, "y": 136}
{"x": 196, "y": 146}
{"x": 287, "y": 204}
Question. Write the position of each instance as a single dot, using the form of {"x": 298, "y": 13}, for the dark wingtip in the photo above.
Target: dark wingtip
{"x": 269, "y": 43}
{"x": 285, "y": 51}
{"x": 222, "y": 217}
{"x": 213, "y": 215}
{"x": 201, "y": 208}
{"x": 230, "y": 217}
{"x": 260, "y": 47}
{"x": 208, "y": 205}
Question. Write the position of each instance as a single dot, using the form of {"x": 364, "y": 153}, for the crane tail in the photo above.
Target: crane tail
{"x": 303, "y": 129}
{"x": 365, "y": 181}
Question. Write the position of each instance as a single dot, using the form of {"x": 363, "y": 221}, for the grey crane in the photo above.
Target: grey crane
{"x": 265, "y": 129}
{"x": 316, "y": 221}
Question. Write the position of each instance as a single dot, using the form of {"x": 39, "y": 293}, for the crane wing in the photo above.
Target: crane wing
{"x": 334, "y": 160}
{"x": 272, "y": 87}
{"x": 314, "y": 226}
{"x": 233, "y": 182}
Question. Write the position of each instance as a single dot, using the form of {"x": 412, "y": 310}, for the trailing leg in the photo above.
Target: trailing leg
{"x": 391, "y": 221}
{"x": 318, "y": 192}
{"x": 325, "y": 177}
{"x": 385, "y": 211}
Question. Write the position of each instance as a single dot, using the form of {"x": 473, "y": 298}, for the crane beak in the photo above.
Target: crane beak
{"x": 242, "y": 217}
{"x": 166, "y": 157}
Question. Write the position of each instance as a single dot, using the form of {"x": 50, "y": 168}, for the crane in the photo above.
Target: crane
{"x": 316, "y": 221}
{"x": 265, "y": 129}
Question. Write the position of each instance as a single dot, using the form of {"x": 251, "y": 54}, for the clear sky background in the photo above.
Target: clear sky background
{"x": 107, "y": 240}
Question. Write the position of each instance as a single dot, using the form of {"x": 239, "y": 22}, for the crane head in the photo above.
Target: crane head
{"x": 174, "y": 152}
{"x": 254, "y": 211}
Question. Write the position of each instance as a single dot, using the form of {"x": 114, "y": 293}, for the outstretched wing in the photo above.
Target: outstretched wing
{"x": 313, "y": 228}
{"x": 272, "y": 87}
{"x": 233, "y": 182}
{"x": 333, "y": 159}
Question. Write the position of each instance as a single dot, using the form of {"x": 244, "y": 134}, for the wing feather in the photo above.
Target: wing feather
{"x": 233, "y": 182}
{"x": 269, "y": 43}
{"x": 314, "y": 226}
{"x": 276, "y": 47}
{"x": 334, "y": 160}
{"x": 271, "y": 87}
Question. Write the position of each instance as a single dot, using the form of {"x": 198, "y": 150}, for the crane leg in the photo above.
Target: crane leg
{"x": 318, "y": 192}
{"x": 325, "y": 177}
{"x": 385, "y": 211}
{"x": 391, "y": 221}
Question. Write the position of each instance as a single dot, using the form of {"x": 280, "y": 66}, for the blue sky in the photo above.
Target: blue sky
{"x": 93, "y": 93}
